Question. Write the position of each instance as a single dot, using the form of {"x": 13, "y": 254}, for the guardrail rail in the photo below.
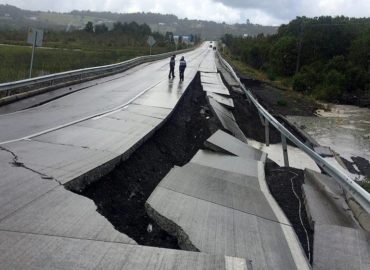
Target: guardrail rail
{"x": 356, "y": 191}
{"x": 54, "y": 81}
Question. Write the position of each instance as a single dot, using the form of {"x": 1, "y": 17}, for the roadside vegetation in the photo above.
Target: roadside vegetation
{"x": 327, "y": 58}
{"x": 92, "y": 46}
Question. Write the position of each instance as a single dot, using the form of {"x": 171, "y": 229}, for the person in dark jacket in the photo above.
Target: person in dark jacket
{"x": 182, "y": 68}
{"x": 172, "y": 67}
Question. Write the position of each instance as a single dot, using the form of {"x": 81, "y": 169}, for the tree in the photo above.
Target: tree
{"x": 89, "y": 27}
{"x": 360, "y": 52}
{"x": 169, "y": 36}
{"x": 101, "y": 28}
{"x": 284, "y": 56}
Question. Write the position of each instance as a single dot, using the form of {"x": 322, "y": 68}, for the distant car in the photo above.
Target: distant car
{"x": 211, "y": 42}
{"x": 210, "y": 46}
{"x": 214, "y": 48}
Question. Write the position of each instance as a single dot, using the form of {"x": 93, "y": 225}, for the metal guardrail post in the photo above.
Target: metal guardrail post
{"x": 285, "y": 150}
{"x": 267, "y": 132}
{"x": 361, "y": 196}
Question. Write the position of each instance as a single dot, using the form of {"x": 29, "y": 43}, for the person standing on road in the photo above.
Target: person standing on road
{"x": 172, "y": 67}
{"x": 182, "y": 68}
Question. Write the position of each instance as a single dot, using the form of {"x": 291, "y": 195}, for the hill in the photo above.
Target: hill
{"x": 324, "y": 57}
{"x": 15, "y": 18}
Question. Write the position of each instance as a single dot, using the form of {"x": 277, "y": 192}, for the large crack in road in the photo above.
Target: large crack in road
{"x": 121, "y": 195}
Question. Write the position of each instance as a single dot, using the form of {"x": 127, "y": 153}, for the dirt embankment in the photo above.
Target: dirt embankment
{"x": 279, "y": 101}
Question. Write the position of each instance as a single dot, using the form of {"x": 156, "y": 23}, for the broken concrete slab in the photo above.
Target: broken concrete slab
{"x": 238, "y": 89}
{"x": 360, "y": 214}
{"x": 221, "y": 141}
{"x": 216, "y": 229}
{"x": 69, "y": 164}
{"x": 324, "y": 202}
{"x": 18, "y": 252}
{"x": 222, "y": 100}
{"x": 227, "y": 119}
{"x": 214, "y": 88}
{"x": 323, "y": 182}
{"x": 230, "y": 80}
{"x": 164, "y": 95}
{"x": 297, "y": 158}
{"x": 66, "y": 214}
{"x": 321, "y": 208}
{"x": 104, "y": 134}
{"x": 323, "y": 151}
{"x": 340, "y": 248}
{"x": 221, "y": 110}
{"x": 211, "y": 78}
{"x": 226, "y": 162}
{"x": 208, "y": 64}
{"x": 219, "y": 191}
{"x": 209, "y": 75}
{"x": 205, "y": 171}
{"x": 18, "y": 185}
{"x": 151, "y": 111}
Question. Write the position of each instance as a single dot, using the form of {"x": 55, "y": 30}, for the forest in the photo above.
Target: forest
{"x": 327, "y": 58}
{"x": 13, "y": 18}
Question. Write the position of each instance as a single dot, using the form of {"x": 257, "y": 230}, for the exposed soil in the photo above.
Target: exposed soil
{"x": 363, "y": 165}
{"x": 279, "y": 181}
{"x": 279, "y": 101}
{"x": 249, "y": 121}
{"x": 121, "y": 195}
{"x": 350, "y": 166}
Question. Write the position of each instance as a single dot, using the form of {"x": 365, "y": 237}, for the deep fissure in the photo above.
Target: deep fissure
{"x": 121, "y": 195}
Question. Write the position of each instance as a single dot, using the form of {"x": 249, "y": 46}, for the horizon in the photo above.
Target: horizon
{"x": 265, "y": 12}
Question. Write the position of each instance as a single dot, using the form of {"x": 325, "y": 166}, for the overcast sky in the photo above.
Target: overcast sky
{"x": 266, "y": 12}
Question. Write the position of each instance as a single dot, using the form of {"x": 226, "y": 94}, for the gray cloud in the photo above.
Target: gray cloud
{"x": 282, "y": 9}
{"x": 289, "y": 9}
{"x": 267, "y": 12}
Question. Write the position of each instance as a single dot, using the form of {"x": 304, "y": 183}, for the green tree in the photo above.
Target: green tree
{"x": 89, "y": 27}
{"x": 101, "y": 28}
{"x": 283, "y": 56}
{"x": 306, "y": 79}
{"x": 359, "y": 52}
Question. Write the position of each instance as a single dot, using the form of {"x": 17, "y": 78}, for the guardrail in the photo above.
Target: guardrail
{"x": 53, "y": 80}
{"x": 357, "y": 192}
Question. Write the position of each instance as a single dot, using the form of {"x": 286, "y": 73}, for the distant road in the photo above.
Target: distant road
{"x": 106, "y": 95}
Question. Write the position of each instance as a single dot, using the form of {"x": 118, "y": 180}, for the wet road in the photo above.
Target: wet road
{"x": 346, "y": 129}
{"x": 109, "y": 94}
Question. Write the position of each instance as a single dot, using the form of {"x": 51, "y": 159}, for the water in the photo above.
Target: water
{"x": 345, "y": 129}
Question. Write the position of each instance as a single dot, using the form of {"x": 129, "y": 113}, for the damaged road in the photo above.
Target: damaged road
{"x": 120, "y": 196}
{"x": 16, "y": 163}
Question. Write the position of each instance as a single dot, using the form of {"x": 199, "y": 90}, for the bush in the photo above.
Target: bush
{"x": 270, "y": 74}
{"x": 282, "y": 103}
{"x": 283, "y": 56}
{"x": 306, "y": 80}
{"x": 332, "y": 87}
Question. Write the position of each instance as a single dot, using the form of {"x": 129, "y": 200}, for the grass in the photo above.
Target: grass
{"x": 267, "y": 77}
{"x": 289, "y": 96}
{"x": 365, "y": 184}
{"x": 15, "y": 60}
